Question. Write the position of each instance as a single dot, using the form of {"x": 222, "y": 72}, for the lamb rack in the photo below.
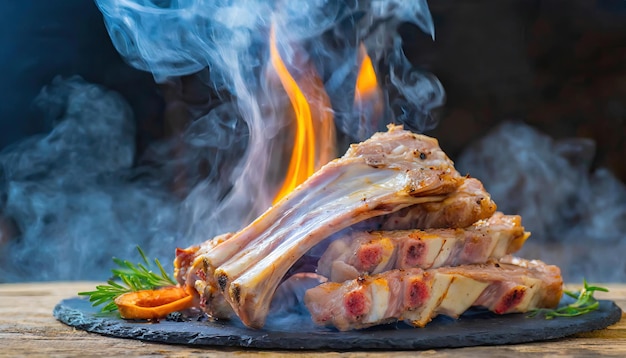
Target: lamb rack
{"x": 393, "y": 181}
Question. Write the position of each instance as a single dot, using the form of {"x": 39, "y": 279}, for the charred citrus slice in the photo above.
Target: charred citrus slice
{"x": 153, "y": 304}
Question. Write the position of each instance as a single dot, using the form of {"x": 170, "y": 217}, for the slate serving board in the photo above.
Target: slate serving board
{"x": 297, "y": 332}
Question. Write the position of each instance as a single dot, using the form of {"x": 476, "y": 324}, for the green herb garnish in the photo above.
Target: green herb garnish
{"x": 128, "y": 278}
{"x": 585, "y": 303}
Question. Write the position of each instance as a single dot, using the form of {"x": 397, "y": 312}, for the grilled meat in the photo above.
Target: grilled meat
{"x": 416, "y": 296}
{"x": 469, "y": 203}
{"x": 386, "y": 173}
{"x": 372, "y": 252}
{"x": 426, "y": 219}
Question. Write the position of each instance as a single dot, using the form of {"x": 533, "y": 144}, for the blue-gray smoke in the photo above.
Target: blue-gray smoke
{"x": 577, "y": 217}
{"x": 75, "y": 197}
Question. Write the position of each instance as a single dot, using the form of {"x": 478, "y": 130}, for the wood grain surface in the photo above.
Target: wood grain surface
{"x": 27, "y": 328}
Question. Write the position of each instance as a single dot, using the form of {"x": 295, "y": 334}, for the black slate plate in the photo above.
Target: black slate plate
{"x": 298, "y": 332}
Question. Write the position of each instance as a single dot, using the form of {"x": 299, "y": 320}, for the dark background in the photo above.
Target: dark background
{"x": 40, "y": 39}
{"x": 558, "y": 65}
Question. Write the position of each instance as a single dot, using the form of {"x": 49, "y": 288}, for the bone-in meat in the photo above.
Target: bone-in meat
{"x": 384, "y": 174}
{"x": 426, "y": 219}
{"x": 372, "y": 252}
{"x": 469, "y": 203}
{"x": 416, "y": 296}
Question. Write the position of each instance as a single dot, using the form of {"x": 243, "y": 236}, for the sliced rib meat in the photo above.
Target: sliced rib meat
{"x": 469, "y": 203}
{"x": 416, "y": 296}
{"x": 372, "y": 252}
{"x": 386, "y": 173}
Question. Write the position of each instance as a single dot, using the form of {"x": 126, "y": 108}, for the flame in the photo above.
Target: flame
{"x": 366, "y": 83}
{"x": 314, "y": 130}
{"x": 368, "y": 97}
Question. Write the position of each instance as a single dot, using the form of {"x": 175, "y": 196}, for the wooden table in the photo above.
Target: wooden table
{"x": 27, "y": 328}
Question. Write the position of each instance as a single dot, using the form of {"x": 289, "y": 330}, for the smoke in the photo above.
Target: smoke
{"x": 75, "y": 197}
{"x": 230, "y": 38}
{"x": 577, "y": 217}
{"x": 70, "y": 193}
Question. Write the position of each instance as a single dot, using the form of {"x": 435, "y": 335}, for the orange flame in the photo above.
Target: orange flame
{"x": 314, "y": 132}
{"x": 366, "y": 83}
{"x": 368, "y": 97}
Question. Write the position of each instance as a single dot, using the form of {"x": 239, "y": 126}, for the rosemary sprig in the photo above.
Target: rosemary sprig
{"x": 585, "y": 303}
{"x": 127, "y": 278}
